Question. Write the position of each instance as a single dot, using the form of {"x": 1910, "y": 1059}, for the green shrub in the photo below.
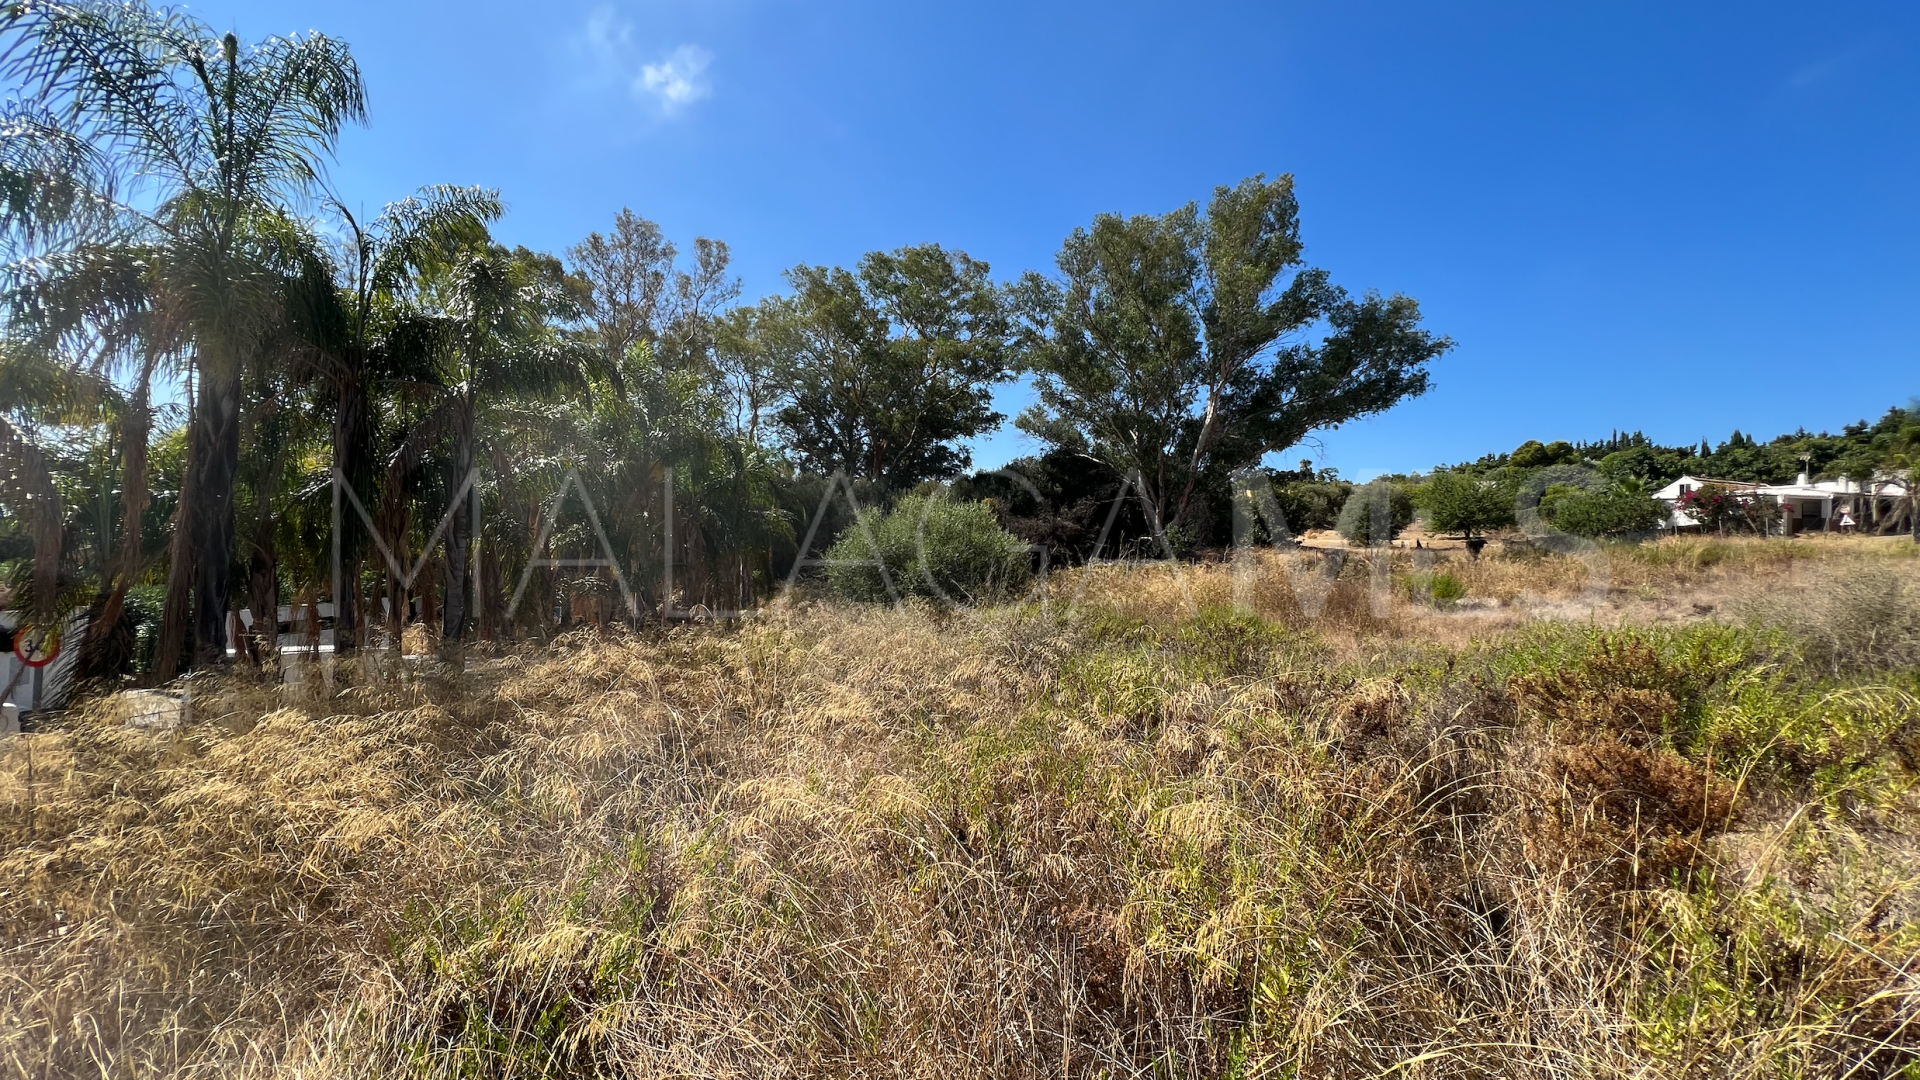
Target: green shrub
{"x": 145, "y": 605}
{"x": 1439, "y": 587}
{"x": 1312, "y": 504}
{"x": 1356, "y": 517}
{"x": 1646, "y": 685}
{"x": 1616, "y": 511}
{"x": 929, "y": 547}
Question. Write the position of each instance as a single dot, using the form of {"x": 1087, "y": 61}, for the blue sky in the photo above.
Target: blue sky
{"x": 1680, "y": 218}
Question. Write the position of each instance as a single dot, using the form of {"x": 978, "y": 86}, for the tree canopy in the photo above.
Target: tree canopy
{"x": 1465, "y": 504}
{"x": 1185, "y": 345}
{"x": 885, "y": 369}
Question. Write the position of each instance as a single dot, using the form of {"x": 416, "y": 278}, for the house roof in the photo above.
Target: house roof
{"x": 1713, "y": 480}
{"x": 1671, "y": 491}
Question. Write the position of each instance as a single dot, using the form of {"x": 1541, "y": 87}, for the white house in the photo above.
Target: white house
{"x": 1834, "y": 505}
{"x": 1805, "y": 506}
{"x": 1673, "y": 494}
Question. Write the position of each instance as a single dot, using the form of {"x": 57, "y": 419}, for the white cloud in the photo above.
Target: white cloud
{"x": 611, "y": 56}
{"x": 678, "y": 80}
{"x": 607, "y": 37}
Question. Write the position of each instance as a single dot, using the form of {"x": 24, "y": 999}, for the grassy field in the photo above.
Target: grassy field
{"x": 1639, "y": 812}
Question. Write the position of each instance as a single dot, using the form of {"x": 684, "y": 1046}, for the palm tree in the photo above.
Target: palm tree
{"x": 346, "y": 321}
{"x": 205, "y": 146}
{"x": 489, "y": 326}
{"x": 69, "y": 336}
{"x": 49, "y": 204}
{"x": 1904, "y": 461}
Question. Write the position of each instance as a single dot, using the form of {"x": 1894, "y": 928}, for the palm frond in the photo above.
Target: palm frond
{"x": 292, "y": 96}
{"x": 108, "y": 71}
{"x": 90, "y": 302}
{"x": 431, "y": 228}
{"x": 54, "y": 187}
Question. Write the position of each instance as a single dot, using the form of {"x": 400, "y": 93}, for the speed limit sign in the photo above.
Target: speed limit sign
{"x": 39, "y": 654}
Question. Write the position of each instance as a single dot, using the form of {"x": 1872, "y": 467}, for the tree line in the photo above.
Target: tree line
{"x": 207, "y": 357}
{"x": 1859, "y": 451}
{"x": 1604, "y": 488}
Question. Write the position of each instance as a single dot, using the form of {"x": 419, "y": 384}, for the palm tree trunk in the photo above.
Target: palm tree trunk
{"x": 459, "y": 531}
{"x": 136, "y": 428}
{"x": 180, "y": 565}
{"x": 353, "y": 461}
{"x": 263, "y": 590}
{"x": 429, "y": 604}
{"x": 218, "y": 433}
{"x": 395, "y": 521}
{"x": 27, "y": 482}
{"x": 540, "y": 575}
{"x": 488, "y": 615}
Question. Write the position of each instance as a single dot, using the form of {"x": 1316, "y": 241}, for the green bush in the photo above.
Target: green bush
{"x": 1440, "y": 587}
{"x": 929, "y": 547}
{"x": 145, "y": 604}
{"x": 1616, "y": 511}
{"x": 1356, "y": 517}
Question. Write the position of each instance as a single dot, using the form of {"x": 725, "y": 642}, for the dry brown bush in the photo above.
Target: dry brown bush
{"x": 1849, "y": 617}
{"x": 1625, "y": 688}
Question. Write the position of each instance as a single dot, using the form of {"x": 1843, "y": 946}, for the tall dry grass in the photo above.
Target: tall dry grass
{"x": 1125, "y": 833}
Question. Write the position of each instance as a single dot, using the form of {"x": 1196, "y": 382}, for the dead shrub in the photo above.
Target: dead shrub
{"x": 1653, "y": 791}
{"x": 1627, "y": 814}
{"x": 1847, "y": 619}
{"x": 1370, "y": 713}
{"x": 1623, "y": 685}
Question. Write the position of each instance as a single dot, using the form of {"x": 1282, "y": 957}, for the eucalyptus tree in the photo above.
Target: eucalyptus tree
{"x": 630, "y": 270}
{"x": 206, "y": 145}
{"x": 884, "y": 370}
{"x": 1179, "y": 346}
{"x": 700, "y": 294}
{"x": 753, "y": 344}
{"x": 638, "y": 293}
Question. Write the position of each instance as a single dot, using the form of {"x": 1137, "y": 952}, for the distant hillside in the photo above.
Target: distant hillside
{"x": 1856, "y": 451}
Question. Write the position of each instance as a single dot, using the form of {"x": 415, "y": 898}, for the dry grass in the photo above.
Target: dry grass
{"x": 1129, "y": 833}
